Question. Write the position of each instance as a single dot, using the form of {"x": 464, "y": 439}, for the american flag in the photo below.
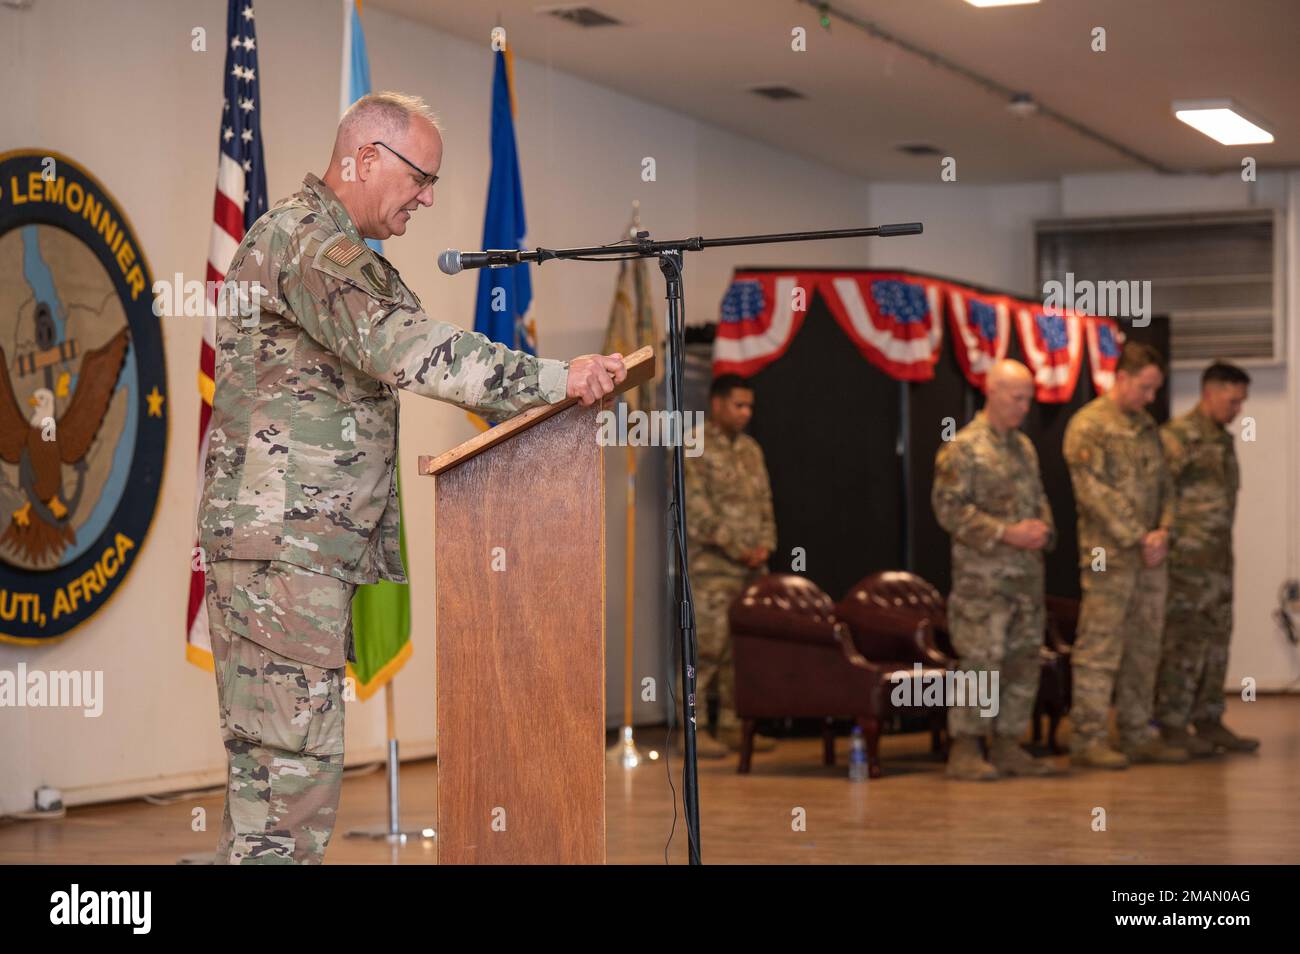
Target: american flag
{"x": 240, "y": 200}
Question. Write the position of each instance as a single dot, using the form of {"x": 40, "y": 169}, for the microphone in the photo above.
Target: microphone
{"x": 452, "y": 261}
{"x": 901, "y": 228}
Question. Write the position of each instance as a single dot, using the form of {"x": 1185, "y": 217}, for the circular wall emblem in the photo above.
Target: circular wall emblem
{"x": 83, "y": 417}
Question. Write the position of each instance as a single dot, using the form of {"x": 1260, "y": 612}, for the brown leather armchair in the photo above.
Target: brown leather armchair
{"x": 884, "y": 606}
{"x": 794, "y": 658}
{"x": 899, "y": 619}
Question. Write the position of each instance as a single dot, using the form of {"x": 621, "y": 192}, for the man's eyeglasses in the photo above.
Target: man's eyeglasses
{"x": 427, "y": 178}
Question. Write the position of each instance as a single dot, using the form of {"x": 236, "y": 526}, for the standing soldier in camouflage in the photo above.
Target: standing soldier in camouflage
{"x": 299, "y": 499}
{"x": 988, "y": 495}
{"x": 1194, "y": 660}
{"x": 731, "y": 531}
{"x": 1125, "y": 503}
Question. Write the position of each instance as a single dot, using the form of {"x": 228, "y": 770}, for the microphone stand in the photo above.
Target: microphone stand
{"x": 670, "y": 263}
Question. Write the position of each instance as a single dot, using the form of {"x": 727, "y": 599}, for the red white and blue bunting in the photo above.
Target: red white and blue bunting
{"x": 1104, "y": 343}
{"x": 981, "y": 331}
{"x": 761, "y": 314}
{"x": 1053, "y": 346}
{"x": 895, "y": 319}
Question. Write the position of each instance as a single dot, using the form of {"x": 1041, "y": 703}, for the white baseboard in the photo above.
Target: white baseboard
{"x": 215, "y": 777}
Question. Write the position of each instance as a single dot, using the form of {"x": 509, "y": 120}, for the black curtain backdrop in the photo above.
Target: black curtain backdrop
{"x": 855, "y": 499}
{"x": 948, "y": 402}
{"x": 828, "y": 424}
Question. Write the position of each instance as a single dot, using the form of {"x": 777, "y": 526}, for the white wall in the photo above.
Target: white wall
{"x": 979, "y": 234}
{"x": 984, "y": 234}
{"x": 123, "y": 95}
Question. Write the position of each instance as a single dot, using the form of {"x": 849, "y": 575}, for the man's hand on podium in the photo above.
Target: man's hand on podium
{"x": 592, "y": 376}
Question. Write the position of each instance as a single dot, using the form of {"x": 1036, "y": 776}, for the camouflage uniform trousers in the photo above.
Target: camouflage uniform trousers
{"x": 281, "y": 717}
{"x": 1194, "y": 660}
{"x": 997, "y": 633}
{"x": 1117, "y": 651}
{"x": 715, "y": 673}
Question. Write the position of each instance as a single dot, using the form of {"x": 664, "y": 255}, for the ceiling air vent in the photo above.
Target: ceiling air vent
{"x": 580, "y": 16}
{"x": 919, "y": 149}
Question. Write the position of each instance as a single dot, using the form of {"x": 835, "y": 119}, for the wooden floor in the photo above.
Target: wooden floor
{"x": 1232, "y": 809}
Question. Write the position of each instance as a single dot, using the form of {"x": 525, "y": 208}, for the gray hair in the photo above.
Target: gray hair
{"x": 385, "y": 115}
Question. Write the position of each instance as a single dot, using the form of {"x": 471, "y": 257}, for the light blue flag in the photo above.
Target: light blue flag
{"x": 356, "y": 70}
{"x": 381, "y": 612}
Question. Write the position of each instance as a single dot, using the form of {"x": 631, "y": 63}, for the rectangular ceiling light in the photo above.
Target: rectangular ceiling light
{"x": 998, "y": 3}
{"x": 1221, "y": 120}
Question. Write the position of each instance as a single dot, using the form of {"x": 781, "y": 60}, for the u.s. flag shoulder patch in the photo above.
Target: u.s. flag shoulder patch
{"x": 343, "y": 251}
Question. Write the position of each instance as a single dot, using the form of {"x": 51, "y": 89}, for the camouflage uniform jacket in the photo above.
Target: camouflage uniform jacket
{"x": 983, "y": 483}
{"x": 728, "y": 503}
{"x": 1121, "y": 485}
{"x": 303, "y": 437}
{"x": 1203, "y": 468}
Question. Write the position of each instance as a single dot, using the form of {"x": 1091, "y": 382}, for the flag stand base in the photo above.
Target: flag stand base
{"x": 393, "y": 832}
{"x": 625, "y": 751}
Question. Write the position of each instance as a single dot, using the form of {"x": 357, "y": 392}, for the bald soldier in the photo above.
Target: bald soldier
{"x": 988, "y": 495}
{"x": 299, "y": 499}
{"x": 1194, "y": 659}
{"x": 1125, "y": 503}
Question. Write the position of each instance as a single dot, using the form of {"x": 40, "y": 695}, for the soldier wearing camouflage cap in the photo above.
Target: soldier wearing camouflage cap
{"x": 988, "y": 495}
{"x": 299, "y": 500}
{"x": 731, "y": 531}
{"x": 1194, "y": 661}
{"x": 1125, "y": 503}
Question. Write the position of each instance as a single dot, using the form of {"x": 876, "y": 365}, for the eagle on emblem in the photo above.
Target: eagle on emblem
{"x": 42, "y": 452}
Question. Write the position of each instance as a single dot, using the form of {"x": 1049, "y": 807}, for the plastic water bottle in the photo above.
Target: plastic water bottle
{"x": 858, "y": 756}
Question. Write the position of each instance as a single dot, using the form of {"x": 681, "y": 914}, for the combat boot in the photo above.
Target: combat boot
{"x": 1154, "y": 749}
{"x": 1177, "y": 736}
{"x": 1216, "y": 733}
{"x": 1098, "y": 755}
{"x": 1010, "y": 759}
{"x": 966, "y": 762}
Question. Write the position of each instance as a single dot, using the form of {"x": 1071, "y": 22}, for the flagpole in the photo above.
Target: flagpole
{"x": 630, "y": 580}
{"x": 392, "y": 832}
{"x": 390, "y": 723}
{"x": 355, "y": 78}
{"x": 626, "y": 750}
{"x": 628, "y": 753}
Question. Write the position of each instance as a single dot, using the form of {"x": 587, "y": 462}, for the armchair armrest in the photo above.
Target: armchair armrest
{"x": 884, "y": 633}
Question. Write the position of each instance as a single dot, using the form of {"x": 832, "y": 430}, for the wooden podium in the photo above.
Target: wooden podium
{"x": 519, "y": 523}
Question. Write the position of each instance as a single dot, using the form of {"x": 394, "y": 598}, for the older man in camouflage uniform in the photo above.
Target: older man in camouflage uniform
{"x": 987, "y": 493}
{"x": 299, "y": 500}
{"x": 1194, "y": 663}
{"x": 731, "y": 531}
{"x": 1125, "y": 503}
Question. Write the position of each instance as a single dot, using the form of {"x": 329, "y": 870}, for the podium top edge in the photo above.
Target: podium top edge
{"x": 640, "y": 366}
